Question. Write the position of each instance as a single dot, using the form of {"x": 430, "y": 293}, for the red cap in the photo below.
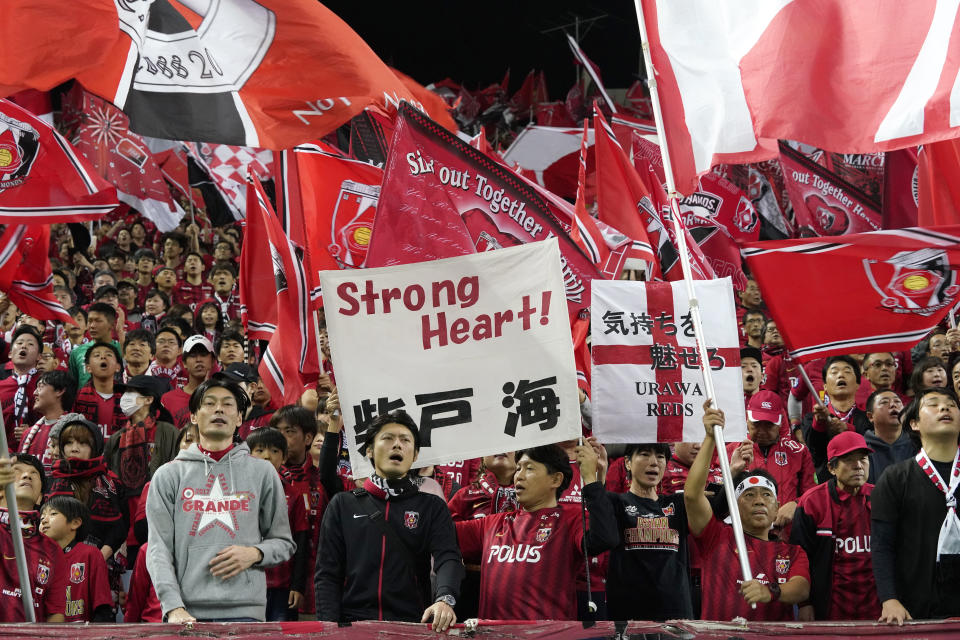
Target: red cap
{"x": 765, "y": 405}
{"x": 846, "y": 442}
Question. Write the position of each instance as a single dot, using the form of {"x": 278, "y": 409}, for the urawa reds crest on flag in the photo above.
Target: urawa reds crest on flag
{"x": 19, "y": 143}
{"x": 647, "y": 383}
{"x": 920, "y": 281}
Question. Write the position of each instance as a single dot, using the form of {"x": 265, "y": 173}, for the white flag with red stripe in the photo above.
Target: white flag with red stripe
{"x": 647, "y": 384}
{"x": 856, "y": 75}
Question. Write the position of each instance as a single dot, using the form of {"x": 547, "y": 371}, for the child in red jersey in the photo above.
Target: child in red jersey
{"x": 286, "y": 582}
{"x": 45, "y": 562}
{"x": 89, "y": 598}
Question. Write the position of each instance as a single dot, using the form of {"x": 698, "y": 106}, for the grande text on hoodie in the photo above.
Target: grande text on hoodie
{"x": 197, "y": 507}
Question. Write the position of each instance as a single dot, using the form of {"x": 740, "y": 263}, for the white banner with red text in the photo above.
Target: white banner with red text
{"x": 476, "y": 349}
{"x": 647, "y": 383}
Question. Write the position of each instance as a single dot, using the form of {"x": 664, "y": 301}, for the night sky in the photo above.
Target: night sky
{"x": 474, "y": 43}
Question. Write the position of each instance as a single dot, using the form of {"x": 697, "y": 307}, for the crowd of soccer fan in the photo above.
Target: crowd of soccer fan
{"x": 158, "y": 480}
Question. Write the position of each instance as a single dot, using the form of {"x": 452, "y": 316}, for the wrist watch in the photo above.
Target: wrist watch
{"x": 774, "y": 589}
{"x": 450, "y": 600}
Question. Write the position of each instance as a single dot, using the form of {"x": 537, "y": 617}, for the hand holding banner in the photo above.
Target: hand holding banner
{"x": 476, "y": 348}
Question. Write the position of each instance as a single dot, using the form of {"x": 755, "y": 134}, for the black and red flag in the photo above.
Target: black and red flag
{"x": 291, "y": 361}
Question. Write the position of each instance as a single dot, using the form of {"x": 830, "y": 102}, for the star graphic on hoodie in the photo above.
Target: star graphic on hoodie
{"x": 218, "y": 507}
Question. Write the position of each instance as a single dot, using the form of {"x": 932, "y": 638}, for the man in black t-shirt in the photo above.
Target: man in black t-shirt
{"x": 648, "y": 576}
{"x": 915, "y": 530}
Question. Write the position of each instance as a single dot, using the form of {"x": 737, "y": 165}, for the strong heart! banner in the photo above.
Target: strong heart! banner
{"x": 647, "y": 384}
{"x": 824, "y": 204}
{"x": 880, "y": 291}
{"x": 442, "y": 198}
{"x": 417, "y": 324}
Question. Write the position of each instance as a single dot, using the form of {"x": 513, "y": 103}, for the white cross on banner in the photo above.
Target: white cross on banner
{"x": 647, "y": 384}
{"x": 476, "y": 349}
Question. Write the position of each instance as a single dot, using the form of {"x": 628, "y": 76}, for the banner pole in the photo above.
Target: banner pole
{"x": 26, "y": 591}
{"x": 806, "y": 380}
{"x": 691, "y": 294}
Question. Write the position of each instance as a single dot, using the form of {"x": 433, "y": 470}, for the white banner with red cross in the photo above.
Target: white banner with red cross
{"x": 647, "y": 383}
{"x": 477, "y": 349}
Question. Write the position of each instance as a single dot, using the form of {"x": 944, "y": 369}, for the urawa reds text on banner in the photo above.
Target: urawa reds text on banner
{"x": 476, "y": 349}
{"x": 647, "y": 384}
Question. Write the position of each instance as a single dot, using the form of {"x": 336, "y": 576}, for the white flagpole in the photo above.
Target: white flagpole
{"x": 691, "y": 294}
{"x": 13, "y": 515}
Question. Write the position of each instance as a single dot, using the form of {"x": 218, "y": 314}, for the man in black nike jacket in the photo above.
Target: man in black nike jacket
{"x": 377, "y": 542}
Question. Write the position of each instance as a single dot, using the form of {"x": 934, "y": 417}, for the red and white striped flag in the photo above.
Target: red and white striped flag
{"x": 646, "y": 379}
{"x": 291, "y": 360}
{"x": 856, "y": 75}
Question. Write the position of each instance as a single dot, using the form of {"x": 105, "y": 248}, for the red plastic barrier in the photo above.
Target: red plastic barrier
{"x": 494, "y": 630}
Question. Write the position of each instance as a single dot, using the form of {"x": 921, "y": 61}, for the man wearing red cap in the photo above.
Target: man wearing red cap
{"x": 787, "y": 460}
{"x": 832, "y": 524}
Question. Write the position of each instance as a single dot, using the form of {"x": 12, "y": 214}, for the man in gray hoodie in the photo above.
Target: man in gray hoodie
{"x": 216, "y": 518}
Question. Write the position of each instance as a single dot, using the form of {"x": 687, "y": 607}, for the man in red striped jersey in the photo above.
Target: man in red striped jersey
{"x": 539, "y": 549}
{"x": 781, "y": 574}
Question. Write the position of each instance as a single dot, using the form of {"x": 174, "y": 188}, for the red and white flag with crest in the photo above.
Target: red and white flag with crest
{"x": 878, "y": 291}
{"x": 647, "y": 385}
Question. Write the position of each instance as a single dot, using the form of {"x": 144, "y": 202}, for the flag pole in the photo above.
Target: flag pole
{"x": 691, "y": 294}
{"x": 26, "y": 591}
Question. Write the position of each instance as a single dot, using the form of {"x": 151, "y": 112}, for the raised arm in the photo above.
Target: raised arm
{"x": 698, "y": 507}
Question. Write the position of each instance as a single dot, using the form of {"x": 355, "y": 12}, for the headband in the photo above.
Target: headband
{"x": 755, "y": 482}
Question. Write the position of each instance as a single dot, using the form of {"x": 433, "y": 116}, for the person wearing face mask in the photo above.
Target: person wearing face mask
{"x": 147, "y": 440}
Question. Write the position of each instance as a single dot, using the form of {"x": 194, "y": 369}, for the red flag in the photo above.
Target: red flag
{"x": 173, "y": 166}
{"x": 718, "y": 216}
{"x": 339, "y": 198}
{"x": 523, "y": 100}
{"x": 592, "y": 69}
{"x": 257, "y": 310}
{"x": 431, "y": 102}
{"x": 42, "y": 178}
{"x": 884, "y": 290}
{"x": 553, "y": 114}
{"x": 266, "y": 73}
{"x": 900, "y": 187}
{"x": 823, "y": 203}
{"x": 581, "y": 351}
{"x": 291, "y": 360}
{"x": 857, "y": 75}
{"x": 938, "y": 190}
{"x": 638, "y": 101}
{"x": 25, "y": 272}
{"x": 619, "y": 190}
{"x": 39, "y": 103}
{"x": 101, "y": 133}
{"x": 34, "y": 35}
{"x": 540, "y": 93}
{"x": 443, "y": 198}
{"x": 583, "y": 228}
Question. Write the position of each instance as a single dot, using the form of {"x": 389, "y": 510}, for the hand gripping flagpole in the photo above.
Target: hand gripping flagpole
{"x": 13, "y": 515}
{"x": 691, "y": 294}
